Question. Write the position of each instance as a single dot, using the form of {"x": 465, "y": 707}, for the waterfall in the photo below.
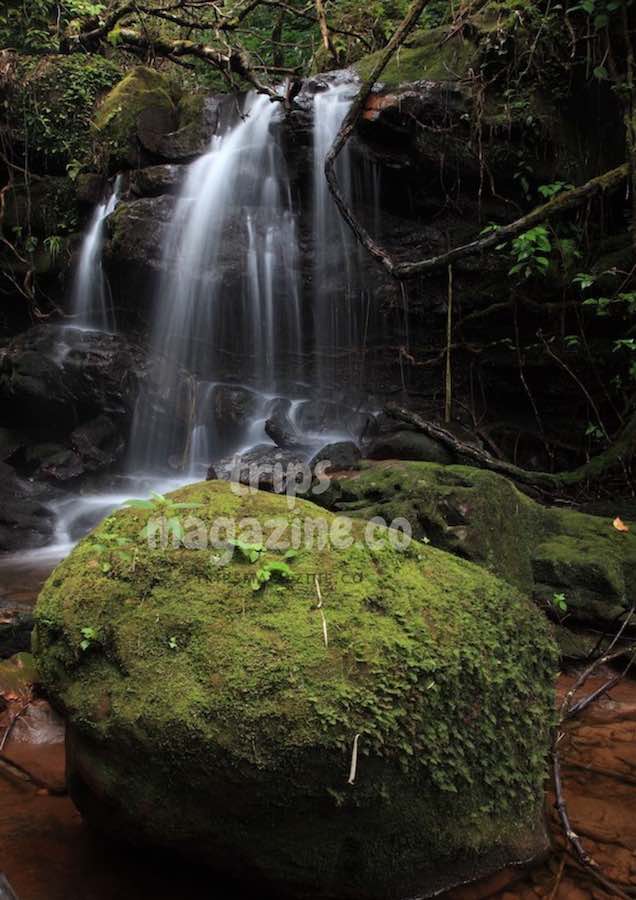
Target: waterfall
{"x": 235, "y": 209}
{"x": 340, "y": 293}
{"x": 90, "y": 298}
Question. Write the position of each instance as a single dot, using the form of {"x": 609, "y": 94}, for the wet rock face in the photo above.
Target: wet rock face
{"x": 67, "y": 398}
{"x": 53, "y": 378}
{"x": 428, "y": 659}
{"x": 337, "y": 456}
{"x": 15, "y": 632}
{"x": 154, "y": 181}
{"x": 25, "y": 519}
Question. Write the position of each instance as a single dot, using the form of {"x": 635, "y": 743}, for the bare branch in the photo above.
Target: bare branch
{"x": 234, "y": 61}
{"x": 324, "y": 30}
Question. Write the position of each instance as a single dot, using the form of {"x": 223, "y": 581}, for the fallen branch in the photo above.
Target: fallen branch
{"x": 623, "y": 448}
{"x": 351, "y": 120}
{"x": 569, "y": 710}
{"x": 324, "y": 31}
{"x": 18, "y": 772}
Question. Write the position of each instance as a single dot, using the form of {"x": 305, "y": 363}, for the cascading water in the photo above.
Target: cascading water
{"x": 238, "y": 192}
{"x": 91, "y": 304}
{"x": 210, "y": 340}
{"x": 340, "y": 295}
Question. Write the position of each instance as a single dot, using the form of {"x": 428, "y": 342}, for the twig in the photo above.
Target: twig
{"x": 583, "y": 856}
{"x": 557, "y": 883}
{"x": 449, "y": 340}
{"x": 322, "y": 615}
{"x": 353, "y": 769}
{"x": 569, "y": 710}
{"x": 10, "y": 726}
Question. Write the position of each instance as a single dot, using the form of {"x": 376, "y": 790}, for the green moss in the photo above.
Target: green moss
{"x": 116, "y": 118}
{"x": 422, "y": 59}
{"x": 469, "y": 512}
{"x": 222, "y": 718}
{"x": 483, "y": 517}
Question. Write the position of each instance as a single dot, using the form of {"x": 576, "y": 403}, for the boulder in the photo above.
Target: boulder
{"x": 25, "y": 519}
{"x": 481, "y": 516}
{"x": 209, "y": 717}
{"x": 140, "y": 107}
{"x": 280, "y": 428}
{"x": 340, "y": 455}
{"x": 90, "y": 187}
{"x": 141, "y": 121}
{"x": 406, "y": 444}
{"x": 15, "y": 632}
{"x": 156, "y": 180}
{"x": 52, "y": 378}
{"x": 319, "y": 416}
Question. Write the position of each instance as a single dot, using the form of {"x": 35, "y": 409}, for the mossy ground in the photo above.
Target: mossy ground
{"x": 222, "y": 718}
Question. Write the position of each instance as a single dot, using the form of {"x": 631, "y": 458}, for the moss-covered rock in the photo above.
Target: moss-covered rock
{"x": 423, "y": 59}
{"x": 142, "y": 101}
{"x": 210, "y": 717}
{"x": 482, "y": 516}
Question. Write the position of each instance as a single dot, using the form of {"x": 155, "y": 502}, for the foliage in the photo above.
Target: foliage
{"x": 559, "y": 602}
{"x": 620, "y": 306}
{"x": 530, "y": 251}
{"x": 53, "y": 107}
{"x": 275, "y": 570}
{"x": 89, "y": 637}
{"x": 167, "y": 509}
{"x": 36, "y": 26}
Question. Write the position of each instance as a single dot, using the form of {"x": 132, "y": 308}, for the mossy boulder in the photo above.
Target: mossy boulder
{"x": 217, "y": 720}
{"x": 140, "y": 105}
{"x": 483, "y": 517}
{"x": 144, "y": 120}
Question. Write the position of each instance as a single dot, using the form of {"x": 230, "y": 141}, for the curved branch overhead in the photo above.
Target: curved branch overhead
{"x": 565, "y": 201}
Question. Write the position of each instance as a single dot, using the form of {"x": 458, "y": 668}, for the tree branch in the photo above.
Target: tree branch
{"x": 623, "y": 448}
{"x": 234, "y": 61}
{"x": 324, "y": 30}
{"x": 556, "y": 206}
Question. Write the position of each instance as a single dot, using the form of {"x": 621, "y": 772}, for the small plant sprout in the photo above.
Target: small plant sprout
{"x": 274, "y": 570}
{"x": 89, "y": 637}
{"x": 113, "y": 549}
{"x": 165, "y": 507}
{"x": 172, "y": 643}
{"x": 559, "y": 602}
{"x": 250, "y": 552}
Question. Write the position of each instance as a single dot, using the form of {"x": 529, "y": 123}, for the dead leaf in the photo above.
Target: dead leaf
{"x": 619, "y": 525}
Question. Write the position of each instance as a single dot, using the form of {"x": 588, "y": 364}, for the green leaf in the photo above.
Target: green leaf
{"x": 139, "y": 504}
